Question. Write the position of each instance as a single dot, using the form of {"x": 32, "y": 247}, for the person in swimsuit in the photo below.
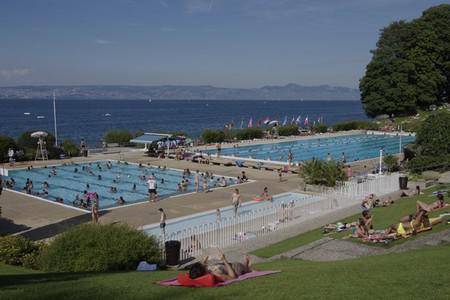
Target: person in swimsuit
{"x": 236, "y": 200}
{"x": 162, "y": 221}
{"x": 222, "y": 270}
{"x": 438, "y": 204}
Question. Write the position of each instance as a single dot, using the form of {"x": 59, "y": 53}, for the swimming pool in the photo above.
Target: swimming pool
{"x": 355, "y": 147}
{"x": 226, "y": 213}
{"x": 73, "y": 179}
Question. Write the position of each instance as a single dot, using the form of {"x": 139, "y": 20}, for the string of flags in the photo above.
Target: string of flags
{"x": 267, "y": 121}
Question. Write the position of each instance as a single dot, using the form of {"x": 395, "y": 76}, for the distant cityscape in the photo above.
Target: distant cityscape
{"x": 182, "y": 92}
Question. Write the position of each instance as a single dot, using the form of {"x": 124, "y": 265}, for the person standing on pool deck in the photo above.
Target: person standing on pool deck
{"x": 219, "y": 149}
{"x": 236, "y": 200}
{"x": 94, "y": 209}
{"x": 152, "y": 189}
{"x": 196, "y": 181}
{"x": 162, "y": 221}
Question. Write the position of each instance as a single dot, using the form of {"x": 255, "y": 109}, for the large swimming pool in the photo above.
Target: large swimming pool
{"x": 73, "y": 179}
{"x": 355, "y": 147}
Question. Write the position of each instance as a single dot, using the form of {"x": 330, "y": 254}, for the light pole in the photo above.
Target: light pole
{"x": 381, "y": 161}
{"x": 54, "y": 118}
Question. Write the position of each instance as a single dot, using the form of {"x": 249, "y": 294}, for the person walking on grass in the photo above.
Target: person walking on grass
{"x": 236, "y": 200}
{"x": 162, "y": 221}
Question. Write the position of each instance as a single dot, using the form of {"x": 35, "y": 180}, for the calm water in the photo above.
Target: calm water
{"x": 86, "y": 118}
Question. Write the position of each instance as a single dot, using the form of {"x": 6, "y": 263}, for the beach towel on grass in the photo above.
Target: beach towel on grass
{"x": 254, "y": 274}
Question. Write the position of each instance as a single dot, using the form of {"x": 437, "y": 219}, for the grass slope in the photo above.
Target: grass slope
{"x": 422, "y": 274}
{"x": 383, "y": 217}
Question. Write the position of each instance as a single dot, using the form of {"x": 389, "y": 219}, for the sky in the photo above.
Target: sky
{"x": 226, "y": 43}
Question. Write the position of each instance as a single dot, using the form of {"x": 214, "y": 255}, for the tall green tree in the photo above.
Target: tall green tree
{"x": 409, "y": 67}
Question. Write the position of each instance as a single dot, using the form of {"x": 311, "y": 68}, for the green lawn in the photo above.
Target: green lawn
{"x": 383, "y": 217}
{"x": 422, "y": 274}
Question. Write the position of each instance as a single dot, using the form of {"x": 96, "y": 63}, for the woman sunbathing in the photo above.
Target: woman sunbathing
{"x": 438, "y": 204}
{"x": 222, "y": 270}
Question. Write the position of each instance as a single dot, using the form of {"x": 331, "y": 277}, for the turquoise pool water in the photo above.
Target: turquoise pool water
{"x": 209, "y": 217}
{"x": 355, "y": 147}
{"x": 67, "y": 183}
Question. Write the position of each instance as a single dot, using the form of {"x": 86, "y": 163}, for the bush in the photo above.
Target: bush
{"x": 20, "y": 251}
{"x": 213, "y": 136}
{"x": 119, "y": 136}
{"x": 29, "y": 145}
{"x": 6, "y": 142}
{"x": 433, "y": 136}
{"x": 249, "y": 134}
{"x": 354, "y": 125}
{"x": 427, "y": 162}
{"x": 320, "y": 128}
{"x": 99, "y": 248}
{"x": 391, "y": 163}
{"x": 70, "y": 148}
{"x": 323, "y": 173}
{"x": 288, "y": 130}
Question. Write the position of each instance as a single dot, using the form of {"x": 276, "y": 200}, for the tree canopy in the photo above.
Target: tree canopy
{"x": 410, "y": 67}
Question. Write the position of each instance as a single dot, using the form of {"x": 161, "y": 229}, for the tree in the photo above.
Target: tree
{"x": 288, "y": 130}
{"x": 321, "y": 172}
{"x": 213, "y": 136}
{"x": 6, "y": 142}
{"x": 410, "y": 66}
{"x": 119, "y": 136}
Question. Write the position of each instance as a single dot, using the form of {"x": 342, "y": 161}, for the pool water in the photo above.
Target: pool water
{"x": 67, "y": 183}
{"x": 354, "y": 147}
{"x": 209, "y": 217}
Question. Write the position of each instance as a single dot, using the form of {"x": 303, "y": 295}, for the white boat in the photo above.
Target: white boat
{"x": 107, "y": 115}
{"x": 149, "y": 100}
{"x": 27, "y": 113}
{"x": 40, "y": 117}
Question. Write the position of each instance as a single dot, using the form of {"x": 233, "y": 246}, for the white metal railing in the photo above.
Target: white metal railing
{"x": 257, "y": 223}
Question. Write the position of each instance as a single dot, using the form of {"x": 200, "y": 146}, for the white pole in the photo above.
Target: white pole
{"x": 400, "y": 146}
{"x": 54, "y": 118}
{"x": 381, "y": 160}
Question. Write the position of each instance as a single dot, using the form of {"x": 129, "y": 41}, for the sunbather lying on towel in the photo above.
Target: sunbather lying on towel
{"x": 438, "y": 204}
{"x": 222, "y": 270}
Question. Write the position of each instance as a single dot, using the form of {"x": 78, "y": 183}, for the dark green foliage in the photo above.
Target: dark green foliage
{"x": 249, "y": 134}
{"x": 321, "y": 172}
{"x": 6, "y": 142}
{"x": 427, "y": 162}
{"x": 432, "y": 144}
{"x": 19, "y": 251}
{"x": 410, "y": 66}
{"x": 433, "y": 136}
{"x": 213, "y": 136}
{"x": 29, "y": 145}
{"x": 354, "y": 125}
{"x": 94, "y": 247}
{"x": 320, "y": 128}
{"x": 288, "y": 130}
{"x": 391, "y": 163}
{"x": 70, "y": 148}
{"x": 178, "y": 133}
{"x": 119, "y": 136}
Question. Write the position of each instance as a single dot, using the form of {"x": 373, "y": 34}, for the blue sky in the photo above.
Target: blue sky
{"x": 229, "y": 43}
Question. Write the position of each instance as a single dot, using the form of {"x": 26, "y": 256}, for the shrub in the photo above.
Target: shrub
{"x": 6, "y": 142}
{"x": 323, "y": 173}
{"x": 249, "y": 134}
{"x": 213, "y": 136}
{"x": 320, "y": 128}
{"x": 391, "y": 163}
{"x": 94, "y": 247}
{"x": 354, "y": 125}
{"x": 20, "y": 251}
{"x": 433, "y": 136}
{"x": 119, "y": 136}
{"x": 70, "y": 148}
{"x": 422, "y": 163}
{"x": 288, "y": 130}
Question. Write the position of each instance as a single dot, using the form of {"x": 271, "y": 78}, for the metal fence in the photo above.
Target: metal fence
{"x": 257, "y": 223}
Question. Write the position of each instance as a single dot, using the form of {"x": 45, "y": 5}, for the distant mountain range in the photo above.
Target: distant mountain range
{"x": 290, "y": 91}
